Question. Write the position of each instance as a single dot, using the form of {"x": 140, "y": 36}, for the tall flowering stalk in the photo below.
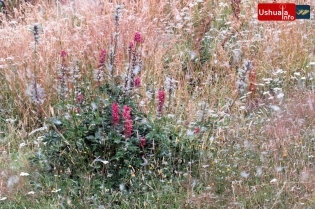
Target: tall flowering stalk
{"x": 75, "y": 75}
{"x": 127, "y": 121}
{"x": 252, "y": 81}
{"x": 62, "y": 75}
{"x": 169, "y": 86}
{"x": 113, "y": 47}
{"x": 242, "y": 77}
{"x": 37, "y": 92}
{"x": 136, "y": 60}
{"x": 135, "y": 63}
{"x": 127, "y": 79}
{"x": 161, "y": 98}
{"x": 79, "y": 102}
{"x": 115, "y": 114}
{"x": 74, "y": 79}
{"x": 236, "y": 8}
{"x": 102, "y": 62}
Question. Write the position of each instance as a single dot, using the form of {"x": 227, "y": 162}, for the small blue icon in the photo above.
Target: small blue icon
{"x": 303, "y": 12}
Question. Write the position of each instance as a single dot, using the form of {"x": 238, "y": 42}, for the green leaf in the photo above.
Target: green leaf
{"x": 91, "y": 137}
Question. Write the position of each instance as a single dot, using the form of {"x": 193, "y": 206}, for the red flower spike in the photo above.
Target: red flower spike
{"x": 115, "y": 114}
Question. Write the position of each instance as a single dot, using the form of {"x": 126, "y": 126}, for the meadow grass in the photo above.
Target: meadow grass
{"x": 254, "y": 150}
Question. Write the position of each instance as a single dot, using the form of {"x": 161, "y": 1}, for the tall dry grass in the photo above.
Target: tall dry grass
{"x": 82, "y": 28}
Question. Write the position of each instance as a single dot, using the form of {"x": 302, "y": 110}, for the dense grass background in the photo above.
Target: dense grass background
{"x": 257, "y": 151}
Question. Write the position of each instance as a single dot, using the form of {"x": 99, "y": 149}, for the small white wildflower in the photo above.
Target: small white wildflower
{"x": 280, "y": 95}
{"x": 24, "y": 174}
{"x": 10, "y": 58}
{"x": 22, "y": 145}
{"x": 100, "y": 160}
{"x": 12, "y": 180}
{"x": 193, "y": 55}
{"x": 39, "y": 129}
{"x": 189, "y": 133}
{"x": 277, "y": 89}
{"x": 55, "y": 191}
{"x": 304, "y": 176}
{"x": 275, "y": 107}
{"x": 122, "y": 187}
{"x": 10, "y": 120}
{"x": 223, "y": 4}
{"x": 259, "y": 171}
{"x": 244, "y": 174}
{"x": 242, "y": 107}
{"x": 273, "y": 181}
{"x": 170, "y": 83}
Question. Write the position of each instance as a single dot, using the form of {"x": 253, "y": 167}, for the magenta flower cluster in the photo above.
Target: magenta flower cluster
{"x": 115, "y": 114}
{"x": 127, "y": 120}
{"x": 102, "y": 58}
{"x": 143, "y": 142}
{"x": 161, "y": 98}
{"x": 137, "y": 82}
{"x": 63, "y": 53}
{"x": 138, "y": 38}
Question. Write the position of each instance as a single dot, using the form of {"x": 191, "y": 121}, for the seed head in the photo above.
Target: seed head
{"x": 36, "y": 29}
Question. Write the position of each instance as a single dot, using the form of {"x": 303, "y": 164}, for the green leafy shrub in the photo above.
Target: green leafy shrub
{"x": 105, "y": 135}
